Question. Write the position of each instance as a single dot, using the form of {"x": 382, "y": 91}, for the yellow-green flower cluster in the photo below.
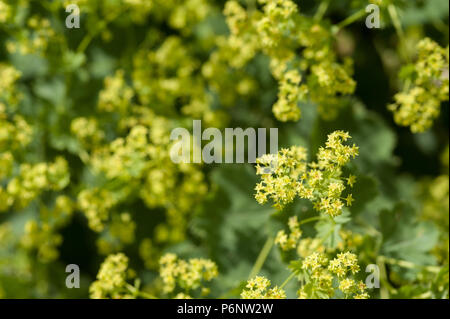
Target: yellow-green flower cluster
{"x": 6, "y": 164}
{"x": 349, "y": 241}
{"x": 112, "y": 279}
{"x": 169, "y": 74}
{"x": 425, "y": 87}
{"x": 116, "y": 95}
{"x": 290, "y": 241}
{"x": 5, "y": 11}
{"x": 87, "y": 131}
{"x": 307, "y": 246}
{"x": 125, "y": 157}
{"x": 287, "y": 175}
{"x": 343, "y": 263}
{"x": 187, "y": 275}
{"x": 32, "y": 180}
{"x": 286, "y": 108}
{"x": 165, "y": 85}
{"x": 34, "y": 38}
{"x": 15, "y": 133}
{"x": 43, "y": 239}
{"x": 283, "y": 34}
{"x": 280, "y": 174}
{"x": 141, "y": 158}
{"x": 259, "y": 288}
{"x": 136, "y": 10}
{"x": 186, "y": 13}
{"x": 321, "y": 273}
{"x": 96, "y": 204}
{"x": 9, "y": 95}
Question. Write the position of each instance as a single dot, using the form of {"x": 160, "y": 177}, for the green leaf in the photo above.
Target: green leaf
{"x": 328, "y": 232}
{"x": 407, "y": 238}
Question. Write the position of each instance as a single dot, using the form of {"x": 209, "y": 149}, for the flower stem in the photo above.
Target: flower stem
{"x": 408, "y": 264}
{"x": 138, "y": 293}
{"x": 321, "y": 10}
{"x": 287, "y": 280}
{"x": 308, "y": 220}
{"x": 261, "y": 257}
{"x": 354, "y": 17}
{"x": 399, "y": 30}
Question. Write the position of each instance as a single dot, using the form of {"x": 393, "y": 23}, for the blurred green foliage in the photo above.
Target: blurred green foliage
{"x": 84, "y": 142}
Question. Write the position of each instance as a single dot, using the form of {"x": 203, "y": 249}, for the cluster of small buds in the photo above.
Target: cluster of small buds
{"x": 343, "y": 263}
{"x": 289, "y": 94}
{"x": 426, "y": 86}
{"x": 9, "y": 96}
{"x": 116, "y": 95}
{"x": 141, "y": 157}
{"x": 320, "y": 276}
{"x": 280, "y": 31}
{"x": 87, "y": 131}
{"x": 328, "y": 81}
{"x": 349, "y": 241}
{"x": 236, "y": 17}
{"x": 276, "y": 21}
{"x": 15, "y": 133}
{"x": 349, "y": 286}
{"x": 96, "y": 204}
{"x": 137, "y": 9}
{"x": 319, "y": 283}
{"x": 169, "y": 74}
{"x": 259, "y": 288}
{"x": 187, "y": 275}
{"x": 307, "y": 246}
{"x": 112, "y": 279}
{"x": 125, "y": 157}
{"x": 187, "y": 13}
{"x": 315, "y": 261}
{"x": 34, "y": 38}
{"x": 32, "y": 180}
{"x": 279, "y": 175}
{"x": 6, "y": 164}
{"x": 286, "y": 175}
{"x": 290, "y": 241}
{"x": 5, "y": 11}
{"x": 335, "y": 154}
{"x": 42, "y": 238}
{"x": 325, "y": 178}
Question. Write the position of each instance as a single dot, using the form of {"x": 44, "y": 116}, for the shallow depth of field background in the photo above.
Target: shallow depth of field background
{"x": 401, "y": 208}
